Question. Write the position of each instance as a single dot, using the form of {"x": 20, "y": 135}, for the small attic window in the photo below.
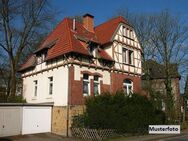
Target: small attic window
{"x": 92, "y": 49}
{"x": 131, "y": 34}
{"x": 41, "y": 57}
{"x": 124, "y": 31}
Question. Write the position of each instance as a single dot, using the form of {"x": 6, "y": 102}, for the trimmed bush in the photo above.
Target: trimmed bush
{"x": 116, "y": 111}
{"x": 16, "y": 99}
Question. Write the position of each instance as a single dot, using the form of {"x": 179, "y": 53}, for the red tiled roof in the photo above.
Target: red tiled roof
{"x": 63, "y": 39}
{"x": 103, "y": 54}
{"x": 30, "y": 62}
{"x": 106, "y": 30}
{"x": 66, "y": 39}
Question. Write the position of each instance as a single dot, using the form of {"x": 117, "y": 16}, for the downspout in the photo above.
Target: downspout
{"x": 69, "y": 85}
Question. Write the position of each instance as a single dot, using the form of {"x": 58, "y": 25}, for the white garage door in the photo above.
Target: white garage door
{"x": 10, "y": 121}
{"x": 36, "y": 120}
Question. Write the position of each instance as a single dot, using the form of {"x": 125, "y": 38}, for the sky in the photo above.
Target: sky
{"x": 105, "y": 9}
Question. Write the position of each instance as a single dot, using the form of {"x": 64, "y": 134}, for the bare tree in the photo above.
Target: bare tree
{"x": 170, "y": 38}
{"x": 185, "y": 100}
{"x": 21, "y": 24}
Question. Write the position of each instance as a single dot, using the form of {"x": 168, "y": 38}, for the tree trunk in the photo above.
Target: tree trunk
{"x": 13, "y": 78}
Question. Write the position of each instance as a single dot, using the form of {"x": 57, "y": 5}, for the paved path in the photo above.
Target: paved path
{"x": 184, "y": 134}
{"x": 39, "y": 137}
{"x": 51, "y": 137}
{"x": 179, "y": 138}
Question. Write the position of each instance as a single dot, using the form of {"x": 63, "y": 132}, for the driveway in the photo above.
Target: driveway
{"x": 38, "y": 137}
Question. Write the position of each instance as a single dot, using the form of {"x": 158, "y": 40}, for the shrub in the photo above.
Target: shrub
{"x": 16, "y": 99}
{"x": 115, "y": 111}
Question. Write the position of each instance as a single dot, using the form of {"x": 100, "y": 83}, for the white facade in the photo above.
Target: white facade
{"x": 60, "y": 86}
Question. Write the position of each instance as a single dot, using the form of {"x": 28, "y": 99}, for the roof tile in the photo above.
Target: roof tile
{"x": 63, "y": 39}
{"x": 106, "y": 30}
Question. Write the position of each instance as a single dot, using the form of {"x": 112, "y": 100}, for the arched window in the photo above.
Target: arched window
{"x": 127, "y": 86}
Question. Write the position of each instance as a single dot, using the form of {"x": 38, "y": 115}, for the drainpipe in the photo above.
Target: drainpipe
{"x": 69, "y": 91}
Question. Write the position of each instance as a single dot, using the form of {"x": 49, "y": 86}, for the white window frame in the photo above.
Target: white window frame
{"x": 97, "y": 82}
{"x": 125, "y": 56}
{"x": 50, "y": 85}
{"x": 35, "y": 87}
{"x": 39, "y": 59}
{"x": 88, "y": 85}
{"x": 132, "y": 57}
{"x": 126, "y": 87}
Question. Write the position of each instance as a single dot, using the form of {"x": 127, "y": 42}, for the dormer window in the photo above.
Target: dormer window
{"x": 92, "y": 48}
{"x": 41, "y": 58}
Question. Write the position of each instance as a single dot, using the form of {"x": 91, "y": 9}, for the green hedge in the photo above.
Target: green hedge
{"x": 116, "y": 111}
{"x": 16, "y": 99}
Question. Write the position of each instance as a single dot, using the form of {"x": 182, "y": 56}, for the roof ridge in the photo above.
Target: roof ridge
{"x": 114, "y": 18}
{"x": 69, "y": 33}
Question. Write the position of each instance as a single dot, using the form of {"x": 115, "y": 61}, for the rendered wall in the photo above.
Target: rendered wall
{"x": 60, "y": 87}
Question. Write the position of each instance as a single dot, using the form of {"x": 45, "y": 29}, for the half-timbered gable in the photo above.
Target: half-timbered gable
{"x": 126, "y": 50}
{"x": 121, "y": 44}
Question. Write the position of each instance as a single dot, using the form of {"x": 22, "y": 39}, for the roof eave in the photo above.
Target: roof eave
{"x": 24, "y": 69}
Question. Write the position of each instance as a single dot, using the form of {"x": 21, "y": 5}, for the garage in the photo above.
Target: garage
{"x": 10, "y": 121}
{"x": 36, "y": 120}
{"x": 16, "y": 119}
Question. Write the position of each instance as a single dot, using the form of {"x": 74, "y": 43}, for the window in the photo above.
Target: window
{"x": 124, "y": 31}
{"x": 85, "y": 84}
{"x": 41, "y": 58}
{"x": 50, "y": 79}
{"x": 124, "y": 54}
{"x": 127, "y": 87}
{"x": 130, "y": 34}
{"x": 35, "y": 88}
{"x": 130, "y": 57}
{"x": 127, "y": 56}
{"x": 96, "y": 85}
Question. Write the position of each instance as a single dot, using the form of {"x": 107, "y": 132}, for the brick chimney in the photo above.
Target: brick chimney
{"x": 88, "y": 22}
